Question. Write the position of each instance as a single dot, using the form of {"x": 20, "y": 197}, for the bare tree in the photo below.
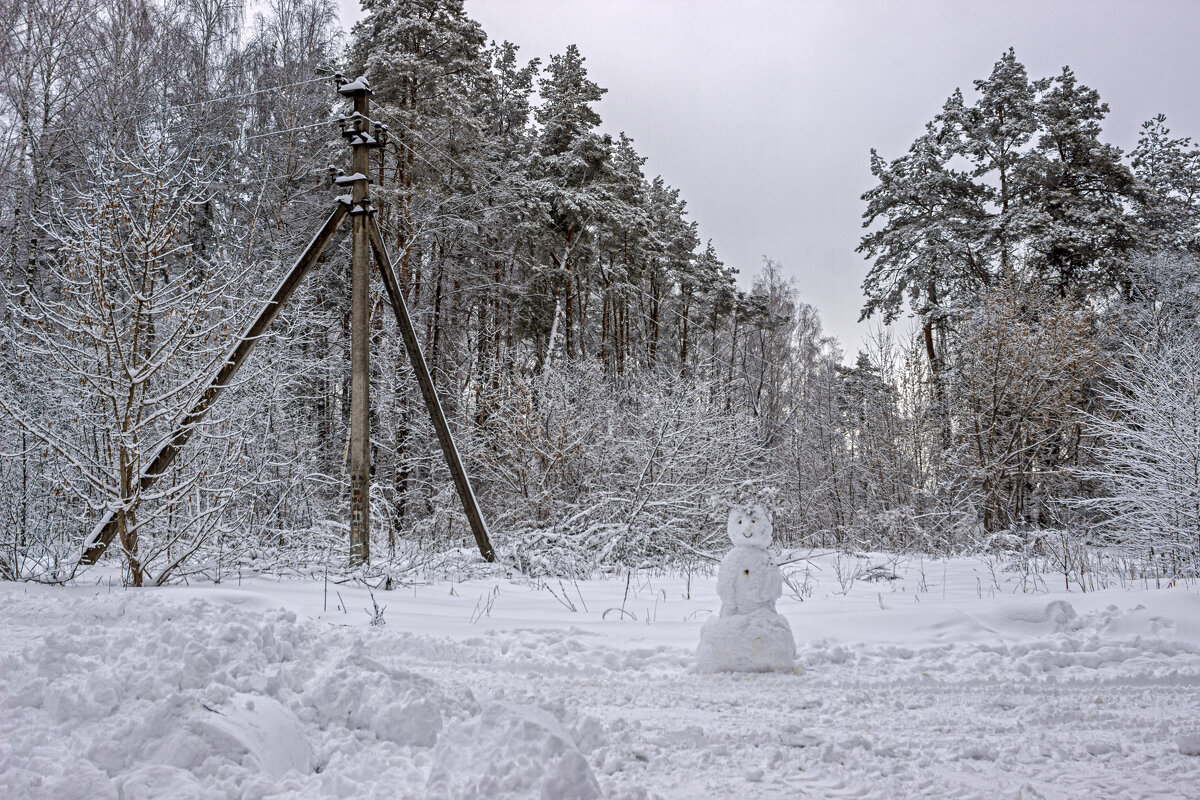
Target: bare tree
{"x": 115, "y": 347}
{"x": 1148, "y": 461}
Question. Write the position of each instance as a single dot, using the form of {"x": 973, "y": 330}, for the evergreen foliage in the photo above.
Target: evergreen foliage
{"x": 608, "y": 377}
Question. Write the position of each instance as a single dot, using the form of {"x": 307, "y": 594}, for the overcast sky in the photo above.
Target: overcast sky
{"x": 763, "y": 113}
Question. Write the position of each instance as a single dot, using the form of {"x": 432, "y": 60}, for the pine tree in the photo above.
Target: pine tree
{"x": 1079, "y": 229}
{"x": 573, "y": 165}
{"x": 993, "y": 134}
{"x": 1170, "y": 169}
{"x": 934, "y": 242}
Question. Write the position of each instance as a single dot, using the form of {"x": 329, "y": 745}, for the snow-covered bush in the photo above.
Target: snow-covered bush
{"x": 1149, "y": 458}
{"x": 583, "y": 472}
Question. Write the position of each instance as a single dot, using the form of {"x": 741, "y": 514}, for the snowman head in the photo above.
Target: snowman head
{"x": 750, "y": 526}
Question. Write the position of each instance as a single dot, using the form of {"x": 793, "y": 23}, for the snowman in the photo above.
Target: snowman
{"x": 748, "y": 635}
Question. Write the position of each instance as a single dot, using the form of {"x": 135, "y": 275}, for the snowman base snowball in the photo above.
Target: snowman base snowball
{"x": 760, "y": 641}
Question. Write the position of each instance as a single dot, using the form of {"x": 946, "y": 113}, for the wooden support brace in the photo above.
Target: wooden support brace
{"x": 413, "y": 346}
{"x": 106, "y": 529}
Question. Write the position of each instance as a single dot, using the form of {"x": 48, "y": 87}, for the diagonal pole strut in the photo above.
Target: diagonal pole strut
{"x": 106, "y": 529}
{"x": 429, "y": 392}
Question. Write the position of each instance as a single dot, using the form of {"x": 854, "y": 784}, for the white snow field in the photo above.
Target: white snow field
{"x": 944, "y": 682}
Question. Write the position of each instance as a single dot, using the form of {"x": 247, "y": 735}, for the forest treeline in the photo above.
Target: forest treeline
{"x": 609, "y": 379}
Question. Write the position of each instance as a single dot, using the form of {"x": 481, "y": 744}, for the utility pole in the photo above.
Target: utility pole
{"x": 361, "y": 141}
{"x": 362, "y": 135}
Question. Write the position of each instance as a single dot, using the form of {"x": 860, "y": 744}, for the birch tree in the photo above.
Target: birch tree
{"x": 116, "y": 346}
{"x": 1149, "y": 458}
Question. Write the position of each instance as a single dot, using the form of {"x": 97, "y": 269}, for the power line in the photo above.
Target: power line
{"x": 247, "y": 94}
{"x": 431, "y": 145}
{"x": 466, "y": 197}
{"x": 499, "y": 173}
{"x": 288, "y": 130}
{"x": 663, "y": 301}
{"x": 63, "y": 129}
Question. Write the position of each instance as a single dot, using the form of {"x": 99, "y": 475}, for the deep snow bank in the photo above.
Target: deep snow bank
{"x": 147, "y": 695}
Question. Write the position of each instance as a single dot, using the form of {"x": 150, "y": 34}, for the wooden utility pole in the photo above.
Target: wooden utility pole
{"x": 360, "y": 317}
{"x": 363, "y": 135}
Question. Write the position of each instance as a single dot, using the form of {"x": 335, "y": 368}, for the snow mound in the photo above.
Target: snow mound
{"x": 158, "y": 781}
{"x": 250, "y": 729}
{"x": 394, "y": 704}
{"x": 911, "y": 692}
{"x": 757, "y": 642}
{"x": 146, "y": 695}
{"x": 510, "y": 752}
{"x": 1056, "y": 616}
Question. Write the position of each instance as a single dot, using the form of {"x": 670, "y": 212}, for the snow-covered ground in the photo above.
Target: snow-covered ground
{"x": 943, "y": 682}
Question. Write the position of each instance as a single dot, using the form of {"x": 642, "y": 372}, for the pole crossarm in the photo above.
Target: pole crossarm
{"x": 429, "y": 392}
{"x": 106, "y": 529}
